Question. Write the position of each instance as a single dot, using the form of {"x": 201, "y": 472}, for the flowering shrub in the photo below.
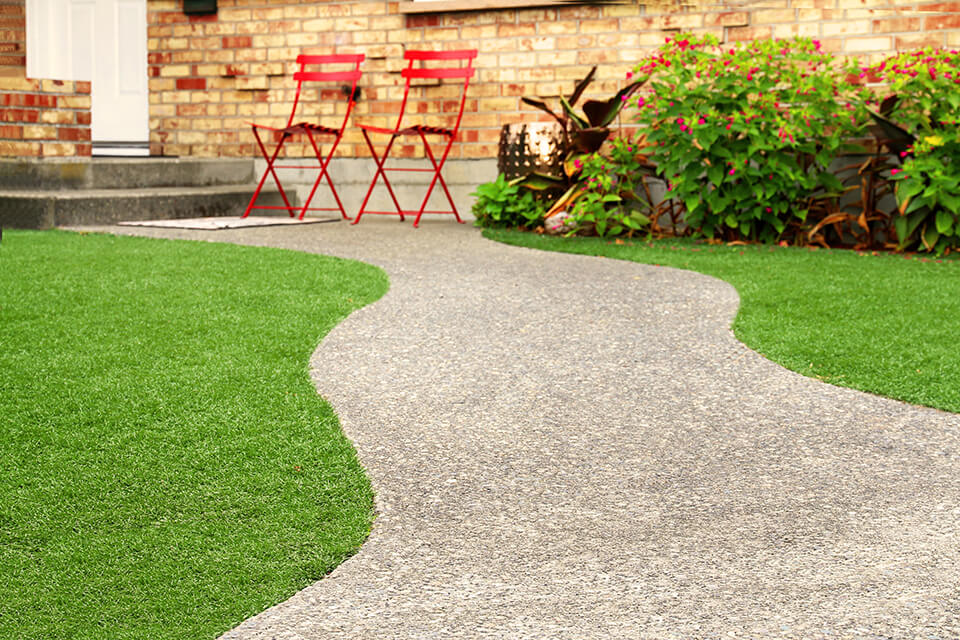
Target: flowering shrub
{"x": 744, "y": 134}
{"x": 926, "y": 106}
{"x": 607, "y": 202}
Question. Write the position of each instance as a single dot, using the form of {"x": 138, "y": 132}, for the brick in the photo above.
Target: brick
{"x": 50, "y": 116}
{"x": 19, "y": 84}
{"x": 727, "y": 19}
{"x": 75, "y": 102}
{"x": 191, "y": 84}
{"x": 61, "y": 149}
{"x": 75, "y": 134}
{"x": 853, "y": 27}
{"x": 737, "y": 34}
{"x": 172, "y": 71}
{"x": 918, "y": 41}
{"x": 14, "y": 148}
{"x": 249, "y": 83}
{"x": 513, "y": 30}
{"x": 11, "y": 131}
{"x": 39, "y": 132}
{"x": 941, "y": 22}
{"x": 237, "y": 42}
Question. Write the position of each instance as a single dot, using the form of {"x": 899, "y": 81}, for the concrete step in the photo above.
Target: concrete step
{"x": 21, "y": 209}
{"x": 56, "y": 174}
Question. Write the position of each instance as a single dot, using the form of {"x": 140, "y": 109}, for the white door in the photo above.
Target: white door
{"x": 104, "y": 41}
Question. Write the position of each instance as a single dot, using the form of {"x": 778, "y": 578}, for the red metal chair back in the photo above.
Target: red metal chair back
{"x": 454, "y": 65}
{"x": 312, "y": 130}
{"x": 464, "y": 71}
{"x": 352, "y": 76}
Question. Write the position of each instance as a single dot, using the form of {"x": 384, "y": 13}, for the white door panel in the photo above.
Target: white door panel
{"x": 104, "y": 41}
{"x": 120, "y": 98}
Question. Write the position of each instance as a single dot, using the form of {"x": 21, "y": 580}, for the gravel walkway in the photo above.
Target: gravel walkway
{"x": 571, "y": 447}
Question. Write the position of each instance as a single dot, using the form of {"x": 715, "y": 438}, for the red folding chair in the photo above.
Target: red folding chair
{"x": 463, "y": 71}
{"x": 311, "y": 130}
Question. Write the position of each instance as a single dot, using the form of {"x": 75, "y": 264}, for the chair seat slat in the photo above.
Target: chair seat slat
{"x": 328, "y": 59}
{"x": 329, "y": 76}
{"x": 439, "y": 73}
{"x": 460, "y": 54}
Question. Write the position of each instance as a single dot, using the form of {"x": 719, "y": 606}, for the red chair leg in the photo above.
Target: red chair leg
{"x": 324, "y": 163}
{"x": 379, "y": 172}
{"x": 436, "y": 176}
{"x": 269, "y": 170}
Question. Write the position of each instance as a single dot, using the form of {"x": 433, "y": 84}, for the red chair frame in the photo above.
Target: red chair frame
{"x": 310, "y": 130}
{"x": 410, "y": 73}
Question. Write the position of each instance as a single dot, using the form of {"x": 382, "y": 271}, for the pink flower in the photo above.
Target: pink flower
{"x": 702, "y": 120}
{"x": 728, "y": 127}
{"x": 683, "y": 127}
{"x": 732, "y": 171}
{"x": 769, "y": 209}
{"x": 894, "y": 172}
{"x": 629, "y": 74}
{"x": 679, "y": 120}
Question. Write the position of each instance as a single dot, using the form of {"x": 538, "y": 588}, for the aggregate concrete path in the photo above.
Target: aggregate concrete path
{"x": 573, "y": 447}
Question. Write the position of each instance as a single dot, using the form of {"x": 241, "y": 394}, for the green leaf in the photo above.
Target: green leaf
{"x": 538, "y": 181}
{"x": 900, "y": 225}
{"x": 715, "y": 173}
{"x": 930, "y": 237}
{"x": 908, "y": 188}
{"x": 950, "y": 201}
{"x": 831, "y": 182}
{"x": 577, "y": 120}
{"x": 915, "y": 219}
{"x": 944, "y": 221}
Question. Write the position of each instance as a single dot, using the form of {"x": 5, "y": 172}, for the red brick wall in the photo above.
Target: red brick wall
{"x": 13, "y": 38}
{"x": 44, "y": 118}
{"x": 211, "y": 74}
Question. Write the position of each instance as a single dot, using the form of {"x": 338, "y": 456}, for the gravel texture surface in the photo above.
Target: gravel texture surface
{"x": 575, "y": 447}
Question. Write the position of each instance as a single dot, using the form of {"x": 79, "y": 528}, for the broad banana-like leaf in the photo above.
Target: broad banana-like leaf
{"x": 831, "y": 219}
{"x": 543, "y": 106}
{"x": 581, "y": 87}
{"x": 590, "y": 140}
{"x": 538, "y": 181}
{"x": 565, "y": 201}
{"x": 896, "y": 137}
{"x": 577, "y": 119}
{"x": 570, "y": 167}
{"x": 600, "y": 113}
{"x": 888, "y": 104}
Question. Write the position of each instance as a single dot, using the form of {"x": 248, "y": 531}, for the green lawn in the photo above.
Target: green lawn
{"x": 167, "y": 468}
{"x": 884, "y": 324}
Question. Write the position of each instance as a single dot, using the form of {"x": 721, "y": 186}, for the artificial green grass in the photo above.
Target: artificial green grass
{"x": 167, "y": 468}
{"x": 886, "y": 324}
